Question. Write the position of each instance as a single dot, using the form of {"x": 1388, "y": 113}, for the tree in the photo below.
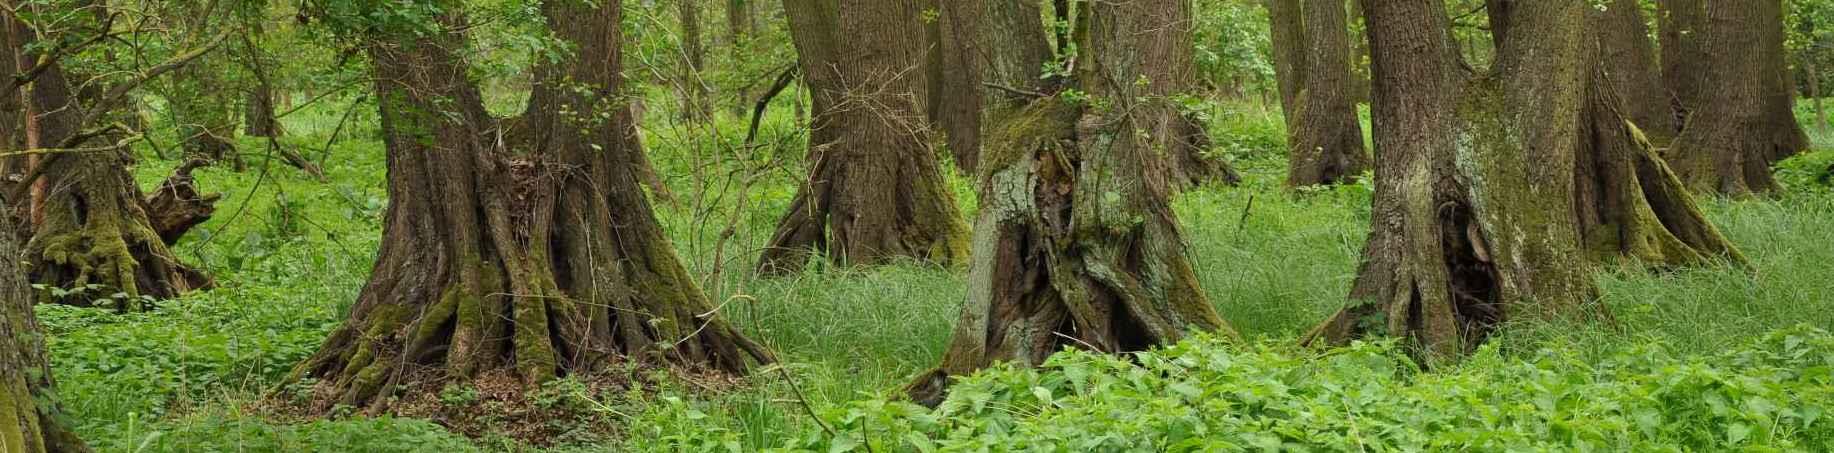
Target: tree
{"x": 693, "y": 92}
{"x": 522, "y": 245}
{"x": 1746, "y": 122}
{"x": 1312, "y": 62}
{"x": 90, "y": 219}
{"x": 875, "y": 191}
{"x": 982, "y": 44}
{"x": 1630, "y": 64}
{"x": 1076, "y": 244}
{"x": 30, "y": 419}
{"x": 1463, "y": 234}
{"x": 1681, "y": 27}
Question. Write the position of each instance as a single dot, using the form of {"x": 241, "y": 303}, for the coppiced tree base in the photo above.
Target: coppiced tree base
{"x": 1070, "y": 250}
{"x": 95, "y": 229}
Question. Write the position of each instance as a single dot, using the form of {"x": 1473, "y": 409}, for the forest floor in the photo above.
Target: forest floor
{"x": 291, "y": 253}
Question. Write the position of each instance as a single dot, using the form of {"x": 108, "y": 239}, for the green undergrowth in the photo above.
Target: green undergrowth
{"x": 1204, "y": 394}
{"x": 291, "y": 253}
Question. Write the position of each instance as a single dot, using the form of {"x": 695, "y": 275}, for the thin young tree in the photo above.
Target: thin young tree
{"x": 524, "y": 245}
{"x": 1464, "y": 235}
{"x": 1746, "y": 122}
{"x": 875, "y": 190}
{"x": 1312, "y": 64}
{"x": 1076, "y": 244}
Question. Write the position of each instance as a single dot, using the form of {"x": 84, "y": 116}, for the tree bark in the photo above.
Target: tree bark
{"x": 1286, "y": 21}
{"x": 1630, "y": 64}
{"x": 1324, "y": 138}
{"x": 91, "y": 224}
{"x": 1746, "y": 122}
{"x": 523, "y": 247}
{"x": 30, "y": 419}
{"x": 1681, "y": 28}
{"x": 956, "y": 97}
{"x": 694, "y": 95}
{"x": 875, "y": 191}
{"x": 1076, "y": 244}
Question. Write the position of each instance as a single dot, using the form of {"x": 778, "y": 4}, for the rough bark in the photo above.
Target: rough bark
{"x": 1629, "y": 62}
{"x": 1463, "y": 236}
{"x": 694, "y": 93}
{"x": 1681, "y": 26}
{"x": 996, "y": 53}
{"x": 1076, "y": 244}
{"x": 1746, "y": 122}
{"x": 1324, "y": 138}
{"x": 91, "y": 224}
{"x": 1286, "y": 22}
{"x": 956, "y": 93}
{"x": 875, "y": 190}
{"x": 523, "y": 247}
{"x": 177, "y": 206}
{"x": 30, "y": 419}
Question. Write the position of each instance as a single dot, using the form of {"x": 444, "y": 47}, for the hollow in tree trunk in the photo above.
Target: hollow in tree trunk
{"x": 875, "y": 190}
{"x": 1463, "y": 237}
{"x": 30, "y": 421}
{"x": 91, "y": 225}
{"x": 1324, "y": 139}
{"x": 1746, "y": 122}
{"x": 1076, "y": 244}
{"x": 538, "y": 257}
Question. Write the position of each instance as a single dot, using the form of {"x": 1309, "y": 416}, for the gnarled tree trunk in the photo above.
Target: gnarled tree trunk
{"x": 1324, "y": 139}
{"x": 29, "y": 413}
{"x": 1463, "y": 234}
{"x": 1746, "y": 122}
{"x": 525, "y": 247}
{"x": 875, "y": 191}
{"x": 91, "y": 224}
{"x": 1076, "y": 244}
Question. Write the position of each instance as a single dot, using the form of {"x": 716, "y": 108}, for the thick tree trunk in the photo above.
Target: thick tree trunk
{"x": 1324, "y": 138}
{"x": 1286, "y": 21}
{"x": 999, "y": 44}
{"x": 524, "y": 248}
{"x": 1462, "y": 236}
{"x": 91, "y": 224}
{"x": 1076, "y": 244}
{"x": 1681, "y": 28}
{"x": 1746, "y": 122}
{"x": 258, "y": 113}
{"x": 1630, "y": 64}
{"x": 875, "y": 190}
{"x": 956, "y": 93}
{"x": 29, "y": 415}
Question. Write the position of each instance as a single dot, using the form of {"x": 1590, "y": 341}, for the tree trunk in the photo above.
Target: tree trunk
{"x": 1746, "y": 122}
{"x": 956, "y": 93}
{"x": 997, "y": 43}
{"x": 740, "y": 26}
{"x": 1630, "y": 64}
{"x": 1076, "y": 244}
{"x": 91, "y": 224}
{"x": 525, "y": 247}
{"x": 1324, "y": 138}
{"x": 1463, "y": 234}
{"x": 1681, "y": 28}
{"x": 1286, "y": 20}
{"x": 1814, "y": 78}
{"x": 875, "y": 190}
{"x": 694, "y": 105}
{"x": 30, "y": 421}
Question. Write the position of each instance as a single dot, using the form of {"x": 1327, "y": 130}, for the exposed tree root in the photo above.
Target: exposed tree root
{"x": 176, "y": 206}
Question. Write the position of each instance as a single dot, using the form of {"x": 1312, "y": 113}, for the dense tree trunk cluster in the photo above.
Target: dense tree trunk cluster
{"x": 1076, "y": 244}
{"x": 523, "y": 246}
